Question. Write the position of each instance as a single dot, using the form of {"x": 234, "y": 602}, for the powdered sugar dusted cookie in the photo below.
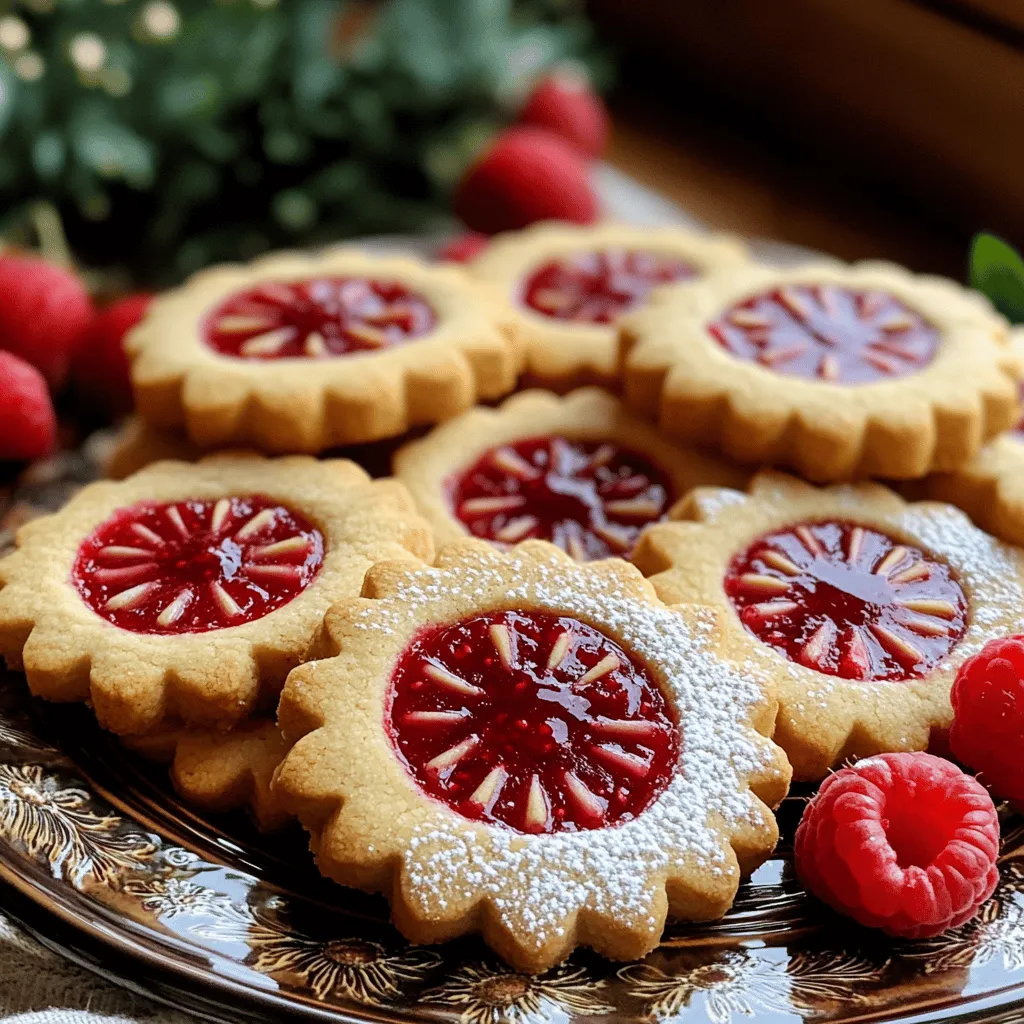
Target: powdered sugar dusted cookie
{"x": 222, "y": 771}
{"x": 990, "y": 488}
{"x": 518, "y": 744}
{"x": 187, "y": 592}
{"x": 839, "y": 372}
{"x": 579, "y": 471}
{"x": 298, "y": 353}
{"x": 570, "y": 285}
{"x": 862, "y": 606}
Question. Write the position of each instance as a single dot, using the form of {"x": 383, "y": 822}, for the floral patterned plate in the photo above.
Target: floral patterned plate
{"x": 206, "y": 913}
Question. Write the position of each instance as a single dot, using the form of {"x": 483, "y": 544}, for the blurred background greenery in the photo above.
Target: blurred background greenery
{"x": 167, "y": 134}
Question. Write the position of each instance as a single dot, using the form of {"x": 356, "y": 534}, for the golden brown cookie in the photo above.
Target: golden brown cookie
{"x": 222, "y": 771}
{"x": 837, "y": 371}
{"x": 137, "y": 444}
{"x": 862, "y": 606}
{"x": 570, "y": 285}
{"x": 579, "y": 471}
{"x": 187, "y": 592}
{"x": 533, "y": 748}
{"x": 299, "y": 353}
{"x": 990, "y": 488}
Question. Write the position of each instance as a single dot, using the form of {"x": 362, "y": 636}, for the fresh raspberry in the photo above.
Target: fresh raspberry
{"x": 44, "y": 311}
{"x": 527, "y": 175}
{"x": 988, "y": 716}
{"x": 565, "y": 104}
{"x": 100, "y": 366}
{"x": 902, "y": 842}
{"x": 463, "y": 248}
{"x": 28, "y": 426}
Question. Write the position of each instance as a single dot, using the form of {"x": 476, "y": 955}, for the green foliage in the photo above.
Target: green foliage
{"x": 173, "y": 133}
{"x": 997, "y": 270}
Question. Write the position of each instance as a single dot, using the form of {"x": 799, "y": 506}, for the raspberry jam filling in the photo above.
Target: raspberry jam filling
{"x": 848, "y": 601}
{"x": 590, "y": 498}
{"x": 829, "y": 334}
{"x": 598, "y": 287}
{"x": 194, "y": 565}
{"x": 325, "y": 316}
{"x": 530, "y": 720}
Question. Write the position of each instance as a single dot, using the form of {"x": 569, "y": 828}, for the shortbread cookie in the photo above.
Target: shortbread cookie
{"x": 222, "y": 771}
{"x": 570, "y": 285}
{"x": 518, "y": 744}
{"x": 138, "y": 444}
{"x": 300, "y": 353}
{"x": 862, "y": 605}
{"x": 187, "y": 592}
{"x": 990, "y": 488}
{"x": 579, "y": 471}
{"x": 839, "y": 372}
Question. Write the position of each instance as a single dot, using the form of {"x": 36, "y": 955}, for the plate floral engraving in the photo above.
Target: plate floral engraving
{"x": 57, "y": 824}
{"x": 747, "y": 983}
{"x": 497, "y": 995}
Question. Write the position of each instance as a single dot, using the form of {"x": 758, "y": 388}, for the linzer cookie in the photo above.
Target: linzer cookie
{"x": 836, "y": 371}
{"x": 519, "y": 744}
{"x": 990, "y": 488}
{"x": 570, "y": 285}
{"x": 300, "y": 353}
{"x": 222, "y": 771}
{"x": 187, "y": 592}
{"x": 862, "y": 606}
{"x": 578, "y": 471}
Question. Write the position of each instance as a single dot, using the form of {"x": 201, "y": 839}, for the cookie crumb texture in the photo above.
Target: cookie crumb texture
{"x": 839, "y": 372}
{"x": 186, "y": 592}
{"x": 902, "y": 842}
{"x": 376, "y": 780}
{"x": 300, "y": 354}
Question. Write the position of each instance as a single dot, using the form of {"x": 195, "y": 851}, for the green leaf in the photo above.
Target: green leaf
{"x": 997, "y": 270}
{"x": 8, "y": 84}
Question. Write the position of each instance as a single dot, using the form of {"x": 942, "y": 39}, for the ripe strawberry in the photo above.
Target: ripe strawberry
{"x": 463, "y": 248}
{"x": 44, "y": 311}
{"x": 28, "y": 425}
{"x": 528, "y": 174}
{"x": 100, "y": 366}
{"x": 565, "y": 104}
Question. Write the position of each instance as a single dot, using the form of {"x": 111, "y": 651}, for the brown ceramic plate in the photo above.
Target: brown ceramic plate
{"x": 109, "y": 867}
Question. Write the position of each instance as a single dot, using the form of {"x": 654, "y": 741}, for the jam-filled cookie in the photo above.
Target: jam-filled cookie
{"x": 570, "y": 285}
{"x": 837, "y": 371}
{"x": 222, "y": 771}
{"x": 579, "y": 471}
{"x": 990, "y": 488}
{"x": 863, "y": 606}
{"x": 187, "y": 592}
{"x": 300, "y": 353}
{"x": 537, "y": 749}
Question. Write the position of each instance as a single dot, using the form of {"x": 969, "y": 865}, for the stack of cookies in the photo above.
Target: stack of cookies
{"x": 549, "y": 679}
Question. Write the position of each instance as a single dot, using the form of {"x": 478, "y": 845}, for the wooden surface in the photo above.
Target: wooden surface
{"x": 769, "y": 113}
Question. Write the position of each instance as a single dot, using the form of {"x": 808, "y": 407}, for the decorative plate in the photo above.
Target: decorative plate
{"x": 209, "y": 915}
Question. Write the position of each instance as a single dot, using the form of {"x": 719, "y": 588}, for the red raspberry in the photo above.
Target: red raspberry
{"x": 100, "y": 366}
{"x": 44, "y": 311}
{"x": 902, "y": 842}
{"x": 463, "y": 248}
{"x": 28, "y": 426}
{"x": 565, "y": 104}
{"x": 988, "y": 716}
{"x": 527, "y": 175}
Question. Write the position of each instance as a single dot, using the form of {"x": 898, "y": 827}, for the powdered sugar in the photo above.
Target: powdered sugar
{"x": 537, "y": 883}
